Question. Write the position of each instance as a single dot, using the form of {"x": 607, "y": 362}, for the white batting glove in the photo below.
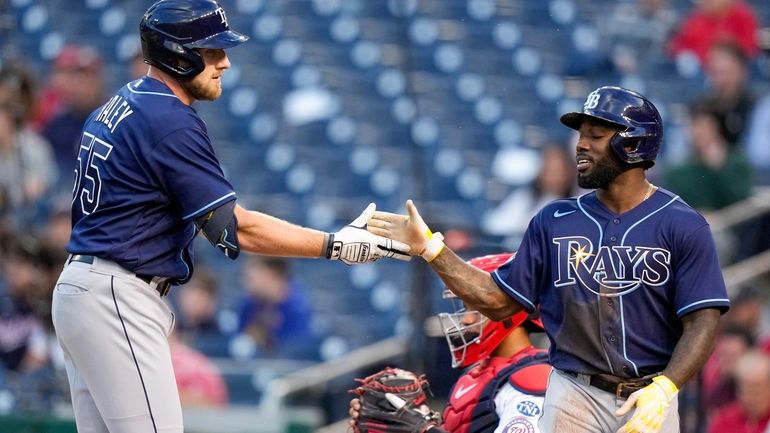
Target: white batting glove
{"x": 652, "y": 403}
{"x": 354, "y": 244}
{"x": 409, "y": 229}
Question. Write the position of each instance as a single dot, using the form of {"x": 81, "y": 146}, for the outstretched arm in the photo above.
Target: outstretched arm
{"x": 264, "y": 234}
{"x": 474, "y": 286}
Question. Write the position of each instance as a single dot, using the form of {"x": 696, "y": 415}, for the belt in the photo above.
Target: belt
{"x": 620, "y": 386}
{"x": 163, "y": 286}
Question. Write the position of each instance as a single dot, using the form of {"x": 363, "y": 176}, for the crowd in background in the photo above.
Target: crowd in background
{"x": 727, "y": 155}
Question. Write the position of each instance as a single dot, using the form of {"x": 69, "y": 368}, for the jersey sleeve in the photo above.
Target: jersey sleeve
{"x": 699, "y": 282}
{"x": 520, "y": 277}
{"x": 190, "y": 172}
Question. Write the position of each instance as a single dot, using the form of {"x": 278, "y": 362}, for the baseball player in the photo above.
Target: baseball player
{"x": 147, "y": 182}
{"x": 503, "y": 388}
{"x": 626, "y": 278}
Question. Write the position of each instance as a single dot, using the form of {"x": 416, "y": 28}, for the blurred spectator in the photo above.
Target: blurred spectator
{"x": 757, "y": 138}
{"x": 27, "y": 169}
{"x": 19, "y": 84}
{"x": 56, "y": 232}
{"x": 555, "y": 179}
{"x": 715, "y": 175}
{"x": 719, "y": 371}
{"x": 196, "y": 319}
{"x": 747, "y": 310}
{"x": 23, "y": 342}
{"x": 751, "y": 412}
{"x": 77, "y": 80}
{"x": 199, "y": 381}
{"x": 715, "y": 21}
{"x": 275, "y": 311}
{"x": 730, "y": 95}
{"x": 637, "y": 30}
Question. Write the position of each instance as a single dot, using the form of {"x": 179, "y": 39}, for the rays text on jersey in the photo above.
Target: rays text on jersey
{"x": 611, "y": 270}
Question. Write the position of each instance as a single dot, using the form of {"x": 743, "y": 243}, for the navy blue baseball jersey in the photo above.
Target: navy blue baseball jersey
{"x": 145, "y": 170}
{"x": 612, "y": 288}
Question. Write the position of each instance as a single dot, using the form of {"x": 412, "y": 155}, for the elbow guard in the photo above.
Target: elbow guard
{"x": 220, "y": 227}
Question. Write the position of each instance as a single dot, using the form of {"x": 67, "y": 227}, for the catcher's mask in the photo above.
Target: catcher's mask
{"x": 471, "y": 335}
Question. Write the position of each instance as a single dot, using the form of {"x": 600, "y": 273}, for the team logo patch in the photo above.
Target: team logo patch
{"x": 528, "y": 408}
{"x": 519, "y": 425}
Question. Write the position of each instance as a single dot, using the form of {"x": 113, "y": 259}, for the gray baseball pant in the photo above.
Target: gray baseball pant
{"x": 573, "y": 406}
{"x": 113, "y": 329}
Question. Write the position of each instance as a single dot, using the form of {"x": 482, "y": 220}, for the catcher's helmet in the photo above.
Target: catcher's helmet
{"x": 472, "y": 336}
{"x": 171, "y": 30}
{"x": 641, "y": 126}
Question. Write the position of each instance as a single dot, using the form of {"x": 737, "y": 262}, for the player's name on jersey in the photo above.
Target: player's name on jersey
{"x": 114, "y": 112}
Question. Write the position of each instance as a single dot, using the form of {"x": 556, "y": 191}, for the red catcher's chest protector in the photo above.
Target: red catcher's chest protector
{"x": 471, "y": 407}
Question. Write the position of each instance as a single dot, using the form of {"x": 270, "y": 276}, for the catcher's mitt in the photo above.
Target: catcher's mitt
{"x": 389, "y": 402}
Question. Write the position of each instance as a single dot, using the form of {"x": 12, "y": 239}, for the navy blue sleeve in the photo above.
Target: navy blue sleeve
{"x": 521, "y": 277}
{"x": 699, "y": 282}
{"x": 190, "y": 172}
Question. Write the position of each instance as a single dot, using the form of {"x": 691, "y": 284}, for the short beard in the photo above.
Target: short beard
{"x": 200, "y": 92}
{"x": 605, "y": 170}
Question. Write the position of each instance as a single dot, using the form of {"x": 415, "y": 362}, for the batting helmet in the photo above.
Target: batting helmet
{"x": 472, "y": 336}
{"x": 171, "y": 30}
{"x": 641, "y": 128}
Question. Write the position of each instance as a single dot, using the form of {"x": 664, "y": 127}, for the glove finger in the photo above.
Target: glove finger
{"x": 627, "y": 405}
{"x": 395, "y": 400}
{"x": 395, "y": 246}
{"x": 402, "y": 257}
{"x": 379, "y": 231}
{"x": 365, "y": 216}
{"x": 378, "y": 223}
{"x": 388, "y": 217}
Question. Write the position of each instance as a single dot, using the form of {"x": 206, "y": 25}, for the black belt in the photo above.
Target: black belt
{"x": 162, "y": 288}
{"x": 620, "y": 386}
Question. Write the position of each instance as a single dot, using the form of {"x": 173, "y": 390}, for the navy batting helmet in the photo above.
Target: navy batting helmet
{"x": 641, "y": 128}
{"x": 171, "y": 30}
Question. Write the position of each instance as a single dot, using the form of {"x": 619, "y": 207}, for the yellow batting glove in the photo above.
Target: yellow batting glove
{"x": 652, "y": 403}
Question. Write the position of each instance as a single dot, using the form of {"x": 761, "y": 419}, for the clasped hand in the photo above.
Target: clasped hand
{"x": 409, "y": 229}
{"x": 353, "y": 244}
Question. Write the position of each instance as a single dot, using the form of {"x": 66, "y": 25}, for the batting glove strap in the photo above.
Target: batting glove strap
{"x": 326, "y": 251}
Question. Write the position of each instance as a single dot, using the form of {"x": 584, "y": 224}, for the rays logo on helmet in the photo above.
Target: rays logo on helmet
{"x": 519, "y": 425}
{"x": 221, "y": 13}
{"x": 640, "y": 127}
{"x": 528, "y": 408}
{"x": 592, "y": 100}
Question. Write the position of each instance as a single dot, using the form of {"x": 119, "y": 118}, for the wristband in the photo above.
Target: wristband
{"x": 326, "y": 249}
{"x": 434, "y": 246}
